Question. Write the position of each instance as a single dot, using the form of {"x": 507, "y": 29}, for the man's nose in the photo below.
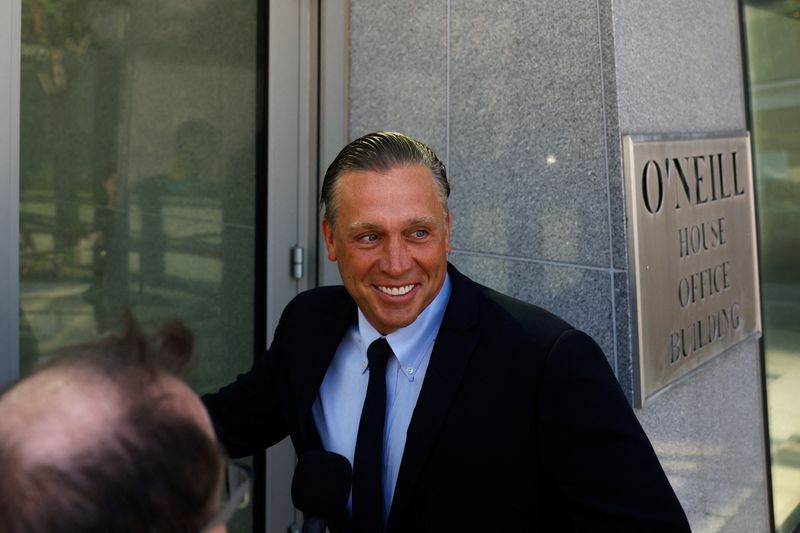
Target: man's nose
{"x": 396, "y": 258}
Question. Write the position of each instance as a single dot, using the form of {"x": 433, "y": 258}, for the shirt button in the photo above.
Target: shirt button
{"x": 410, "y": 370}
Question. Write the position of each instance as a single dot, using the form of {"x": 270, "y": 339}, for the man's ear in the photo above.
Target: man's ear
{"x": 327, "y": 232}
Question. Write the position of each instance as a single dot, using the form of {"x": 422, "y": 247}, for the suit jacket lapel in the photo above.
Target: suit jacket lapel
{"x": 452, "y": 351}
{"x": 309, "y": 364}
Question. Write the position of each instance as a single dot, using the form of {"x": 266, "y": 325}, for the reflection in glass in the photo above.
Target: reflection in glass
{"x": 137, "y": 174}
{"x": 773, "y": 41}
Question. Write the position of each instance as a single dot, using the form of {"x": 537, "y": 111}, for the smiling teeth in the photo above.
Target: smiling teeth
{"x": 396, "y": 291}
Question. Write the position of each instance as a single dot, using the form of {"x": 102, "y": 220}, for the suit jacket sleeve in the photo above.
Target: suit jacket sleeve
{"x": 247, "y": 414}
{"x": 599, "y": 461}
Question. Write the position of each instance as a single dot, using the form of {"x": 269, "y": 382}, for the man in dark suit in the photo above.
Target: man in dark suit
{"x": 493, "y": 415}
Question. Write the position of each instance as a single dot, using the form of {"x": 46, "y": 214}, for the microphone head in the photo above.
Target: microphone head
{"x": 321, "y": 484}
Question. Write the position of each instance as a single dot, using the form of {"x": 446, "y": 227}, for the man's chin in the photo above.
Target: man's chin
{"x": 386, "y": 324}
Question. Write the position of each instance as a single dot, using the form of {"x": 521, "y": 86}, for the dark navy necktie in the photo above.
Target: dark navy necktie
{"x": 368, "y": 460}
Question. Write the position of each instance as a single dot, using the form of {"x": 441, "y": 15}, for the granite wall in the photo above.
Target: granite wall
{"x": 687, "y": 76}
{"x": 526, "y": 101}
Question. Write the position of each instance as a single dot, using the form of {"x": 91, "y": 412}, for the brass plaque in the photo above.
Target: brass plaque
{"x": 692, "y": 252}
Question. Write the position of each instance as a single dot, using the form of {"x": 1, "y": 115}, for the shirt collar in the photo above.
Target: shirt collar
{"x": 410, "y": 344}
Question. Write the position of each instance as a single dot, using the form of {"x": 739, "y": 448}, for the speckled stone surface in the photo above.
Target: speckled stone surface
{"x": 613, "y": 143}
{"x": 580, "y": 296}
{"x": 527, "y": 140}
{"x": 678, "y": 68}
{"x": 678, "y": 65}
{"x": 708, "y": 433}
{"x": 398, "y": 69}
{"x": 530, "y": 105}
{"x": 622, "y": 331}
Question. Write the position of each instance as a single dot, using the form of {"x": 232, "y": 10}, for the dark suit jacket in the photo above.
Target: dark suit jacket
{"x": 520, "y": 424}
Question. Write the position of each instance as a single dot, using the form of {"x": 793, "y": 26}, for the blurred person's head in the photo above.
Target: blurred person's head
{"x": 106, "y": 437}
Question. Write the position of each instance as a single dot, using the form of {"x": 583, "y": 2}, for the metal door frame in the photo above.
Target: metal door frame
{"x": 10, "y": 27}
{"x": 306, "y": 116}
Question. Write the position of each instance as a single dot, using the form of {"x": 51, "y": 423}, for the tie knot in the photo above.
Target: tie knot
{"x": 378, "y": 353}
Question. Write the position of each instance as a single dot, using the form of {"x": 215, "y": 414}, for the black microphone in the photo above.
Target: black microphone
{"x": 321, "y": 488}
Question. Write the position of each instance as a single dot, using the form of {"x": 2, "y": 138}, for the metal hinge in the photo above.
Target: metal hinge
{"x": 298, "y": 262}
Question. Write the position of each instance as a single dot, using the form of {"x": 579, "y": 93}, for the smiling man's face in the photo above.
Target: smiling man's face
{"x": 390, "y": 238}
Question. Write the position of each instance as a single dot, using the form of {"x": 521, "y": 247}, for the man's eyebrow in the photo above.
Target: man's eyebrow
{"x": 369, "y": 226}
{"x": 426, "y": 219}
{"x": 360, "y": 226}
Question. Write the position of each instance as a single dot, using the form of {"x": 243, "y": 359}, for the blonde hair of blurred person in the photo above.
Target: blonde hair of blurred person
{"x": 106, "y": 437}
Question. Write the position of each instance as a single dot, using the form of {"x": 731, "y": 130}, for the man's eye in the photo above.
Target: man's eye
{"x": 420, "y": 233}
{"x": 369, "y": 238}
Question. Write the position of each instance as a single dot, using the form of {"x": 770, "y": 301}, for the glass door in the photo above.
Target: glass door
{"x": 169, "y": 154}
{"x": 772, "y": 30}
{"x": 150, "y": 178}
{"x": 138, "y": 173}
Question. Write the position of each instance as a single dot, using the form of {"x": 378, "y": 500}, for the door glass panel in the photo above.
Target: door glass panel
{"x": 137, "y": 174}
{"x": 773, "y": 41}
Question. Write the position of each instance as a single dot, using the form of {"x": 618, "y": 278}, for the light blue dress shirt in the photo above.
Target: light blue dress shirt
{"x": 337, "y": 409}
